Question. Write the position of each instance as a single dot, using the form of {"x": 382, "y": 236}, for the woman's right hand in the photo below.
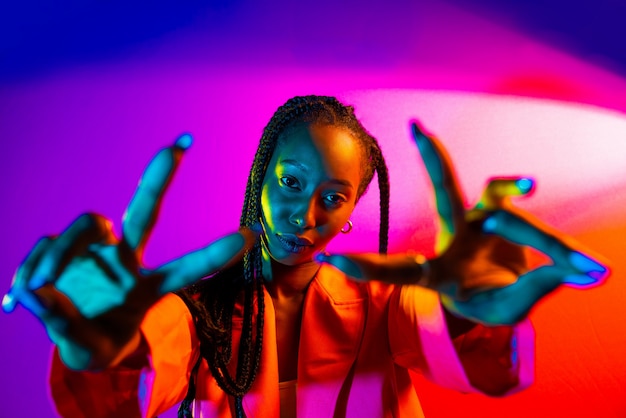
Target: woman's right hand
{"x": 90, "y": 288}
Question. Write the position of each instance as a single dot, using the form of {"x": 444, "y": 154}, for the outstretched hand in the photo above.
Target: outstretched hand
{"x": 480, "y": 267}
{"x": 90, "y": 288}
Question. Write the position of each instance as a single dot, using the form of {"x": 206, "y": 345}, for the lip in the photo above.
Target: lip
{"x": 293, "y": 243}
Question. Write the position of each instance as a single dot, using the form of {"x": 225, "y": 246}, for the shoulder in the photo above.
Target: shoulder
{"x": 169, "y": 305}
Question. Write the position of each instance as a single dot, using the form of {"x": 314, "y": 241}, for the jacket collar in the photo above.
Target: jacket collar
{"x": 333, "y": 323}
{"x": 332, "y": 328}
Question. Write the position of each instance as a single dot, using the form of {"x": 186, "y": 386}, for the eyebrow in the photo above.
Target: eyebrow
{"x": 306, "y": 169}
{"x": 296, "y": 164}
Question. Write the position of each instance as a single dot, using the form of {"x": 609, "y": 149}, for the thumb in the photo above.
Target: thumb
{"x": 201, "y": 263}
{"x": 395, "y": 269}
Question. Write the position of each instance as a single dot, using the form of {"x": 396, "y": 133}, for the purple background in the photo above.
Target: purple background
{"x": 90, "y": 90}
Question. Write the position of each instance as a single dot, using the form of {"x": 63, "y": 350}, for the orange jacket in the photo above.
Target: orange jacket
{"x": 357, "y": 342}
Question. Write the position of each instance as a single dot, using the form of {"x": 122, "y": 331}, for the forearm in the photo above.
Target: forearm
{"x": 491, "y": 360}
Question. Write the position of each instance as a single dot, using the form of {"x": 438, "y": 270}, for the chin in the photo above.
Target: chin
{"x": 292, "y": 259}
{"x": 286, "y": 258}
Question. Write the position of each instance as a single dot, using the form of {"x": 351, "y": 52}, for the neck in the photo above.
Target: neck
{"x": 288, "y": 281}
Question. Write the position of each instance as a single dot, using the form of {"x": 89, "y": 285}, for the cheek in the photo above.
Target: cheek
{"x": 330, "y": 223}
{"x": 271, "y": 206}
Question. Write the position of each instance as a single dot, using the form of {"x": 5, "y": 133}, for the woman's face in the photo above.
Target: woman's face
{"x": 309, "y": 191}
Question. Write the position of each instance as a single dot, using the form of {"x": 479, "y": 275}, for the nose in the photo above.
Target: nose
{"x": 304, "y": 215}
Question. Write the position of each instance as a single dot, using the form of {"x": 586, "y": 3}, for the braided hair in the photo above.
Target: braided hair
{"x": 211, "y": 302}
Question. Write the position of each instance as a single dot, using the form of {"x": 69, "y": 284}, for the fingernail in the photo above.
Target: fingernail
{"x": 597, "y": 275}
{"x": 490, "y": 224}
{"x": 417, "y": 132}
{"x": 586, "y": 264}
{"x": 525, "y": 184}
{"x": 8, "y": 303}
{"x": 579, "y": 280}
{"x": 184, "y": 141}
{"x": 321, "y": 257}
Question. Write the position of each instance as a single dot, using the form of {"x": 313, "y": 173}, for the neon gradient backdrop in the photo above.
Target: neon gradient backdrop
{"x": 87, "y": 97}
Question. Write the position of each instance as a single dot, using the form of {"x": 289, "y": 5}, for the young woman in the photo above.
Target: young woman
{"x": 278, "y": 327}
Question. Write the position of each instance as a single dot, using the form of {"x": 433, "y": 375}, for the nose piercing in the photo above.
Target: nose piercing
{"x": 347, "y": 227}
{"x": 296, "y": 220}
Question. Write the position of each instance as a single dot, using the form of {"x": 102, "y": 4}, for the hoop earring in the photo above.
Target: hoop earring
{"x": 345, "y": 230}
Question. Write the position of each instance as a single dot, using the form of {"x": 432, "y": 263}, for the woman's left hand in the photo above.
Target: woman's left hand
{"x": 480, "y": 268}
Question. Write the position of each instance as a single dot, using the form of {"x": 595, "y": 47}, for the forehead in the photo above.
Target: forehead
{"x": 325, "y": 148}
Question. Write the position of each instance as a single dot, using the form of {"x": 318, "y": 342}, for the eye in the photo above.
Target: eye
{"x": 334, "y": 199}
{"x": 290, "y": 182}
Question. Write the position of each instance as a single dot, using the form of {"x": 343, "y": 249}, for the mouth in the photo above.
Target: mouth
{"x": 294, "y": 244}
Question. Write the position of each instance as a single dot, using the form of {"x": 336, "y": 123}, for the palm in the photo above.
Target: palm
{"x": 471, "y": 261}
{"x": 480, "y": 269}
{"x": 90, "y": 288}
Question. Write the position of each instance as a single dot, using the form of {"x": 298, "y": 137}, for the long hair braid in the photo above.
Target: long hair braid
{"x": 383, "y": 189}
{"x": 212, "y": 301}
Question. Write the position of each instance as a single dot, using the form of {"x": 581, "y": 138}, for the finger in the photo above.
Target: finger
{"x": 448, "y": 195}
{"x": 396, "y": 269}
{"x": 580, "y": 281}
{"x": 70, "y": 330}
{"x": 499, "y": 190}
{"x": 31, "y": 302}
{"x": 109, "y": 282}
{"x": 38, "y": 301}
{"x": 201, "y": 263}
{"x": 561, "y": 249}
{"x": 143, "y": 208}
{"x": 509, "y": 304}
{"x": 19, "y": 283}
{"x": 60, "y": 310}
{"x": 56, "y": 328}
{"x": 593, "y": 272}
{"x": 86, "y": 229}
{"x": 109, "y": 260}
